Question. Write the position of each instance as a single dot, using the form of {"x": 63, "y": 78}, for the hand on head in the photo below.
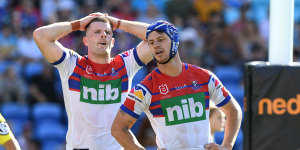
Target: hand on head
{"x": 81, "y": 23}
{"x": 84, "y": 21}
{"x": 98, "y": 14}
{"x": 114, "y": 21}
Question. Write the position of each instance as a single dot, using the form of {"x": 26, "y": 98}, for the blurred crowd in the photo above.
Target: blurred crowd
{"x": 216, "y": 34}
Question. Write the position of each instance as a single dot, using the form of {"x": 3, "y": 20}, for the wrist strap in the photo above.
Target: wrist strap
{"x": 75, "y": 25}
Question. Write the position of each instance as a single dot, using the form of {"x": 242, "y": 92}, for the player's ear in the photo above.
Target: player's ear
{"x": 84, "y": 40}
{"x": 112, "y": 43}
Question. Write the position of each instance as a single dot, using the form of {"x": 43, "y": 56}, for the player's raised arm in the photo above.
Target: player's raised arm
{"x": 46, "y": 37}
{"x": 136, "y": 28}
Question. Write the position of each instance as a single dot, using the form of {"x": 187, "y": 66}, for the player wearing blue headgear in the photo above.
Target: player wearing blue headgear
{"x": 168, "y": 29}
{"x": 176, "y": 97}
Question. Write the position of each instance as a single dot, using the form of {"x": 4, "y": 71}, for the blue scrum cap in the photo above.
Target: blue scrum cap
{"x": 170, "y": 30}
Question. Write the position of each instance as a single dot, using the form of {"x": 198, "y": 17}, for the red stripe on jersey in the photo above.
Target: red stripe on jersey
{"x": 154, "y": 107}
{"x": 178, "y": 92}
{"x": 74, "y": 90}
{"x": 129, "y": 104}
{"x": 78, "y": 70}
{"x": 115, "y": 64}
{"x": 206, "y": 97}
{"x": 82, "y": 61}
{"x": 158, "y": 116}
{"x": 216, "y": 82}
{"x": 204, "y": 88}
{"x": 225, "y": 92}
{"x": 74, "y": 78}
{"x": 125, "y": 79}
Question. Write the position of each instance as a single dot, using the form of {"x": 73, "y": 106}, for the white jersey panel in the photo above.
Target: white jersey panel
{"x": 89, "y": 125}
{"x": 132, "y": 62}
{"x": 218, "y": 93}
{"x": 67, "y": 64}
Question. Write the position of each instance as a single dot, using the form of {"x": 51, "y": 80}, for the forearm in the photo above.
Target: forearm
{"x": 233, "y": 122}
{"x": 53, "y": 32}
{"x": 136, "y": 28}
{"x": 127, "y": 139}
{"x": 133, "y": 27}
{"x": 46, "y": 37}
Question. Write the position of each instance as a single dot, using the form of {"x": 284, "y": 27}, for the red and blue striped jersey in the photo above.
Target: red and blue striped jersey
{"x": 178, "y": 107}
{"x": 93, "y": 94}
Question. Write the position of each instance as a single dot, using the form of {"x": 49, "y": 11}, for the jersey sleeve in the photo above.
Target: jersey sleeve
{"x": 5, "y": 132}
{"x": 132, "y": 61}
{"x": 66, "y": 63}
{"x": 217, "y": 92}
{"x": 137, "y": 101}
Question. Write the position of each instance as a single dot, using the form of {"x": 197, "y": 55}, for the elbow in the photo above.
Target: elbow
{"x": 118, "y": 130}
{"x": 234, "y": 112}
{"x": 238, "y": 112}
{"x": 37, "y": 34}
{"x": 114, "y": 130}
{"x": 40, "y": 34}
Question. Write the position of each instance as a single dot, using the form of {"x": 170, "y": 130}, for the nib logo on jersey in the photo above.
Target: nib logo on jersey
{"x": 96, "y": 92}
{"x": 183, "y": 109}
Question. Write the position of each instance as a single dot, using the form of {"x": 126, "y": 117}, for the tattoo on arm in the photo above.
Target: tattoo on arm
{"x": 129, "y": 122}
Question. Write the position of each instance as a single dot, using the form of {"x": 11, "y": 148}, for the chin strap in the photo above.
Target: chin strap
{"x": 161, "y": 62}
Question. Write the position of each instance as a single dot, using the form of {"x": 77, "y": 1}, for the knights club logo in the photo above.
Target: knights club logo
{"x": 89, "y": 69}
{"x": 163, "y": 89}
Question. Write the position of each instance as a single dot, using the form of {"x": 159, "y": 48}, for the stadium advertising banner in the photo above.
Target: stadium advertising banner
{"x": 272, "y": 107}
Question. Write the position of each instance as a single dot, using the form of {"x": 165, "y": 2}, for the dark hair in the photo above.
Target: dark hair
{"x": 99, "y": 19}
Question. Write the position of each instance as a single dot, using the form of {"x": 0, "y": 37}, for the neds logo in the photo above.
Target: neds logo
{"x": 279, "y": 106}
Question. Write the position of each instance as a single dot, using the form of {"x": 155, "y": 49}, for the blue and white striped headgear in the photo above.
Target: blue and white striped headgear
{"x": 170, "y": 30}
